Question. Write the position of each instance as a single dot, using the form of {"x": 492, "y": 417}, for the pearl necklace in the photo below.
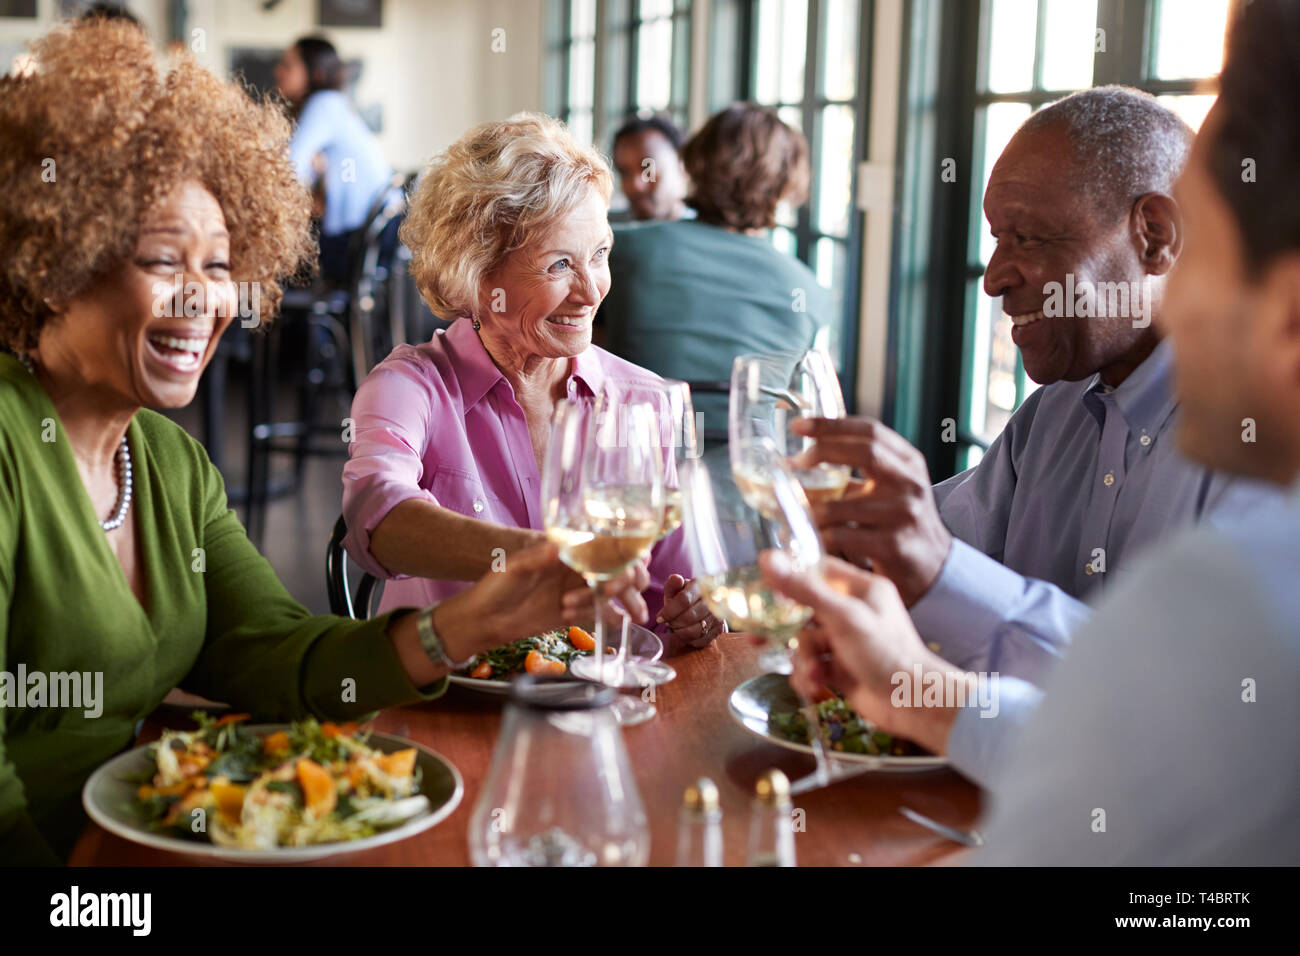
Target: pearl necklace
{"x": 123, "y": 462}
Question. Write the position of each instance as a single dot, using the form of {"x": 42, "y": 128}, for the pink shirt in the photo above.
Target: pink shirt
{"x": 440, "y": 422}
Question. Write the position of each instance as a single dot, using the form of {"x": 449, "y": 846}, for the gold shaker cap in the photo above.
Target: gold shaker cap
{"x": 772, "y": 788}
{"x": 701, "y": 797}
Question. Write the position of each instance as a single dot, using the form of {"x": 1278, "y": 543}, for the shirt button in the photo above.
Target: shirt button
{"x": 1145, "y": 440}
{"x": 1088, "y": 569}
{"x": 1109, "y": 479}
{"x": 478, "y": 505}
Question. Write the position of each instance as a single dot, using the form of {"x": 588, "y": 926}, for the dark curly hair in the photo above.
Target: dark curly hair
{"x": 96, "y": 134}
{"x": 742, "y": 162}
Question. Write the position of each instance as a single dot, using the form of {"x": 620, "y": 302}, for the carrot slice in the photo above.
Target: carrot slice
{"x": 318, "y": 789}
{"x": 400, "y": 763}
{"x": 230, "y": 801}
{"x": 581, "y": 639}
{"x": 276, "y": 743}
{"x": 482, "y": 672}
{"x": 231, "y": 719}
{"x": 539, "y": 664}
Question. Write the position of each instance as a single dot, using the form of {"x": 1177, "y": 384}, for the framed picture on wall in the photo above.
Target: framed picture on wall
{"x": 350, "y": 13}
{"x": 18, "y": 8}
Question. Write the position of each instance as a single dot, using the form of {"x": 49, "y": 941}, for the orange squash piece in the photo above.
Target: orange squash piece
{"x": 581, "y": 639}
{"x": 538, "y": 664}
{"x": 331, "y": 730}
{"x": 318, "y": 790}
{"x": 482, "y": 672}
{"x": 230, "y": 801}
{"x": 231, "y": 719}
{"x": 276, "y": 743}
{"x": 400, "y": 763}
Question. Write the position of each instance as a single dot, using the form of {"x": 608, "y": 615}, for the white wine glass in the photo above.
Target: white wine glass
{"x": 679, "y": 438}
{"x": 729, "y": 518}
{"x": 731, "y": 512}
{"x": 770, "y": 392}
{"x": 603, "y": 504}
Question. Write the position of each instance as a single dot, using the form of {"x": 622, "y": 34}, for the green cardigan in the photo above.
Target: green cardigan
{"x": 216, "y": 621}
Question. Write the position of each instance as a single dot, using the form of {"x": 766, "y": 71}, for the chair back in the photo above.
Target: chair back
{"x": 343, "y": 601}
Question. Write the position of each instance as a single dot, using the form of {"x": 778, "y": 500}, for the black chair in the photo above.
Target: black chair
{"x": 341, "y": 334}
{"x": 343, "y": 600}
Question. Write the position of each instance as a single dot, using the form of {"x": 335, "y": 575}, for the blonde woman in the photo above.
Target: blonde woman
{"x": 510, "y": 238}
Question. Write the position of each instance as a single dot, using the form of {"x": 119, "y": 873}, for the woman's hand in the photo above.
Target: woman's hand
{"x": 686, "y": 614}
{"x": 860, "y": 641}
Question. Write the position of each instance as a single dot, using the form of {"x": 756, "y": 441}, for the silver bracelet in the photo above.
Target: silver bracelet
{"x": 432, "y": 643}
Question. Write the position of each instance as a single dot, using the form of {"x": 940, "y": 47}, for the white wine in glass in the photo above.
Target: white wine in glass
{"x": 602, "y": 500}
{"x": 771, "y": 392}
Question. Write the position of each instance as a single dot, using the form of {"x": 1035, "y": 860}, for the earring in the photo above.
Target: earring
{"x": 477, "y": 324}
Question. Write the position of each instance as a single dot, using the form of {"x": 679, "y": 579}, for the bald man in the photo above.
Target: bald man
{"x": 995, "y": 563}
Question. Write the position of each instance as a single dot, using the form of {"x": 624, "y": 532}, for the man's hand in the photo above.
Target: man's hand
{"x": 889, "y": 523}
{"x": 860, "y": 639}
{"x": 686, "y": 614}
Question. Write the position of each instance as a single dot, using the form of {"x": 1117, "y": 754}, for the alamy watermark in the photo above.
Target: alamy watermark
{"x": 66, "y": 690}
{"x": 181, "y": 299}
{"x": 1084, "y": 299}
{"x": 945, "y": 689}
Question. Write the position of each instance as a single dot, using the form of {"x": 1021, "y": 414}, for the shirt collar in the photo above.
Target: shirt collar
{"x": 475, "y": 370}
{"x": 1145, "y": 398}
{"x": 478, "y": 374}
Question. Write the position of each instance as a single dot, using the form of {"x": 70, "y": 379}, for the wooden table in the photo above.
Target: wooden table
{"x": 852, "y": 822}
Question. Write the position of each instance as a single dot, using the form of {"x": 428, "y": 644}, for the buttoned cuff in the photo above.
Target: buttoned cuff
{"x": 972, "y": 597}
{"x": 981, "y": 737}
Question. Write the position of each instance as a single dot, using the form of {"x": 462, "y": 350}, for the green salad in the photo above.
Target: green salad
{"x": 542, "y": 654}
{"x": 311, "y": 783}
{"x": 841, "y": 730}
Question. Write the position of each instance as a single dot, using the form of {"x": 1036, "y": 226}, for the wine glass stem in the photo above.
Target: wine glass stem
{"x": 620, "y": 662}
{"x": 812, "y": 718}
{"x": 600, "y": 631}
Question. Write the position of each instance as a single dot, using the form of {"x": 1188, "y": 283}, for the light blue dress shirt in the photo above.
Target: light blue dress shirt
{"x": 1168, "y": 735}
{"x": 356, "y": 171}
{"x": 1081, "y": 483}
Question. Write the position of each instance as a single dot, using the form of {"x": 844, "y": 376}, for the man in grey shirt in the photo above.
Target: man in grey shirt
{"x": 1168, "y": 735}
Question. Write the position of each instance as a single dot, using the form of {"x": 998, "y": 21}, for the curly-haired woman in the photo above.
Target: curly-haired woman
{"x": 687, "y": 297}
{"x": 135, "y": 201}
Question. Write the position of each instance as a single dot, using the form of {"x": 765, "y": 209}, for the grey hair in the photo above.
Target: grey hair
{"x": 1125, "y": 143}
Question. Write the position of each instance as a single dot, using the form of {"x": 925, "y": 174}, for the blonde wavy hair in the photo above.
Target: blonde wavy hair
{"x": 119, "y": 134}
{"x": 487, "y": 195}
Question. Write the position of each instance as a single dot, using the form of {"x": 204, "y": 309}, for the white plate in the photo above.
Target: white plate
{"x": 752, "y": 702}
{"x": 646, "y": 646}
{"x": 110, "y": 801}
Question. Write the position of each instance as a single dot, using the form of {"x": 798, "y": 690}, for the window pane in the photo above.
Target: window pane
{"x": 582, "y": 18}
{"x": 582, "y": 74}
{"x": 835, "y": 175}
{"x": 654, "y": 64}
{"x": 831, "y": 263}
{"x": 1000, "y": 122}
{"x": 794, "y": 38}
{"x": 1068, "y": 44}
{"x": 969, "y": 457}
{"x": 992, "y": 375}
{"x": 1189, "y": 38}
{"x": 1014, "y": 26}
{"x": 655, "y": 8}
{"x": 580, "y": 126}
{"x": 779, "y": 54}
{"x": 784, "y": 240}
{"x": 1192, "y": 107}
{"x": 839, "y": 77}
